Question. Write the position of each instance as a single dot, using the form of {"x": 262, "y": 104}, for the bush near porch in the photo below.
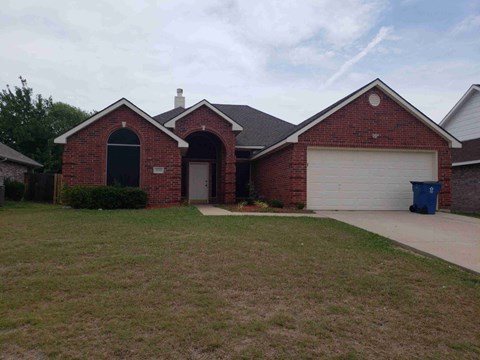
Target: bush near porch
{"x": 170, "y": 283}
{"x": 105, "y": 197}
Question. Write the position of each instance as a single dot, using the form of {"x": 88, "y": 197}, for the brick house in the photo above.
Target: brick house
{"x": 463, "y": 121}
{"x": 358, "y": 153}
{"x": 14, "y": 165}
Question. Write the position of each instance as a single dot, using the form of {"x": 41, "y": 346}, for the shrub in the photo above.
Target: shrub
{"x": 300, "y": 206}
{"x": 134, "y": 198}
{"x": 242, "y": 204}
{"x": 105, "y": 197}
{"x": 79, "y": 197}
{"x": 261, "y": 204}
{"x": 275, "y": 203}
{"x": 14, "y": 190}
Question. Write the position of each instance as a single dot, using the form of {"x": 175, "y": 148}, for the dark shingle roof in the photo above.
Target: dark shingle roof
{"x": 259, "y": 128}
{"x": 164, "y": 117}
{"x": 8, "y": 153}
{"x": 317, "y": 115}
{"x": 324, "y": 111}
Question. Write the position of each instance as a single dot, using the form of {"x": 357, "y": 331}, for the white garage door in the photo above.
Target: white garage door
{"x": 364, "y": 179}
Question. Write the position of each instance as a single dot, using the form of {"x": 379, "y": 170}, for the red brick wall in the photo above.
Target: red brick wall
{"x": 204, "y": 119}
{"x": 84, "y": 156}
{"x": 466, "y": 188}
{"x": 353, "y": 126}
{"x": 272, "y": 176}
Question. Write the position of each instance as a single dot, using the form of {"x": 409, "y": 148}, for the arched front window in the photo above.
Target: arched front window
{"x": 123, "y": 158}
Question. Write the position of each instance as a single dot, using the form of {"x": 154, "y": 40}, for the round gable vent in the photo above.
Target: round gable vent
{"x": 374, "y": 99}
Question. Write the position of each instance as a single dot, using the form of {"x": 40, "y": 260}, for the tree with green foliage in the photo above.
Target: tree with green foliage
{"x": 61, "y": 117}
{"x": 29, "y": 123}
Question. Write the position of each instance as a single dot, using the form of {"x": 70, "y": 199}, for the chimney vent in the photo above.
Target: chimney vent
{"x": 179, "y": 99}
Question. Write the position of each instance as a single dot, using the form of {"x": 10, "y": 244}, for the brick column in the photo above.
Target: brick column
{"x": 445, "y": 177}
{"x": 298, "y": 175}
{"x": 230, "y": 178}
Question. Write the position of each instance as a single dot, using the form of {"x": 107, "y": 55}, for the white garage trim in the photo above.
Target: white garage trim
{"x": 365, "y": 179}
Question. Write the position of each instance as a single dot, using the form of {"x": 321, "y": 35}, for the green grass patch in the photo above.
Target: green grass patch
{"x": 471, "y": 214}
{"x": 171, "y": 283}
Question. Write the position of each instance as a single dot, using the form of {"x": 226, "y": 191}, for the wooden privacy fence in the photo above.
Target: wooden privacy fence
{"x": 43, "y": 187}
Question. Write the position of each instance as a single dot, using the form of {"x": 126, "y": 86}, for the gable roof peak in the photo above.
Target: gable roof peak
{"x": 292, "y": 137}
{"x": 458, "y": 105}
{"x": 235, "y": 126}
{"x": 62, "y": 139}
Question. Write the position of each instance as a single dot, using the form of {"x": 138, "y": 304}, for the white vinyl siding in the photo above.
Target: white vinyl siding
{"x": 359, "y": 179}
{"x": 465, "y": 122}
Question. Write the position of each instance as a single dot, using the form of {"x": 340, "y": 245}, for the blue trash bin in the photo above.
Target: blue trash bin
{"x": 425, "y": 196}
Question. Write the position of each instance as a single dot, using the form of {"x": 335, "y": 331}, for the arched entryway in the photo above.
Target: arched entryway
{"x": 202, "y": 167}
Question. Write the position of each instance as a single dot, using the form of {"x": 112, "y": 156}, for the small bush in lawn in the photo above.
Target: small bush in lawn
{"x": 14, "y": 190}
{"x": 300, "y": 206}
{"x": 276, "y": 203}
{"x": 105, "y": 197}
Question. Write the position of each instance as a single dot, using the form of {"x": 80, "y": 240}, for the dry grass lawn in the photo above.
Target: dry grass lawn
{"x": 171, "y": 284}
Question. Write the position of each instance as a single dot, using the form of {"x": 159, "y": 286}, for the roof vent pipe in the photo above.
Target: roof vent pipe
{"x": 179, "y": 99}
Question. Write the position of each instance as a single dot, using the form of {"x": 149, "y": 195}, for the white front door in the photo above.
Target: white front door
{"x": 198, "y": 183}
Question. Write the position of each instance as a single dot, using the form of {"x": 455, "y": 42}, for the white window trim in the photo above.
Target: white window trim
{"x": 131, "y": 145}
{"x": 241, "y": 147}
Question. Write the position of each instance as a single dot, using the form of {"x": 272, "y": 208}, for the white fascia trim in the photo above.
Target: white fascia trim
{"x": 247, "y": 147}
{"x": 463, "y": 163}
{"x": 62, "y": 139}
{"x": 272, "y": 148}
{"x": 235, "y": 126}
{"x": 454, "y": 143}
{"x": 459, "y": 103}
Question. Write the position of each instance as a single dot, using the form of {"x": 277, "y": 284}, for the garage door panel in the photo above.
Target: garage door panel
{"x": 364, "y": 180}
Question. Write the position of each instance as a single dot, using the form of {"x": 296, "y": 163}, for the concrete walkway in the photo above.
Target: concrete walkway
{"x": 211, "y": 210}
{"x": 450, "y": 237}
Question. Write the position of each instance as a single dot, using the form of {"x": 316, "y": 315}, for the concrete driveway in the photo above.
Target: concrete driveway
{"x": 454, "y": 238}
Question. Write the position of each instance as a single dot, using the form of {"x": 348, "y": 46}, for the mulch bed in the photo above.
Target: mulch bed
{"x": 255, "y": 208}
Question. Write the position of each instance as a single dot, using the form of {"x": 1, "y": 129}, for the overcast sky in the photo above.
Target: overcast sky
{"x": 290, "y": 58}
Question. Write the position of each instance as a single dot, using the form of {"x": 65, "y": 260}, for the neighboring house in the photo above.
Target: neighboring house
{"x": 358, "y": 154}
{"x": 463, "y": 121}
{"x": 14, "y": 165}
